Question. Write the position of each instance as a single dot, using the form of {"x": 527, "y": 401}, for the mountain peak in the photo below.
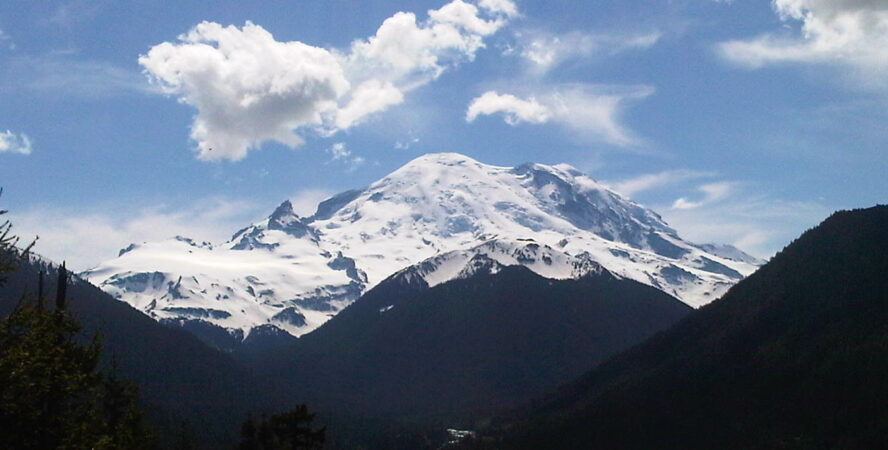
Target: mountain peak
{"x": 284, "y": 209}
{"x": 445, "y": 158}
{"x": 307, "y": 269}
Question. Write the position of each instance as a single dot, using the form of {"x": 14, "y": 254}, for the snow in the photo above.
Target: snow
{"x": 447, "y": 210}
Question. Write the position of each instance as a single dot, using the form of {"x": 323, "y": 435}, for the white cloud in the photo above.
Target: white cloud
{"x": 465, "y": 15}
{"x": 409, "y": 53}
{"x": 712, "y": 192}
{"x": 340, "y": 153}
{"x": 15, "y": 143}
{"x": 504, "y": 7}
{"x": 406, "y": 143}
{"x": 725, "y": 212}
{"x": 646, "y": 182}
{"x": 249, "y": 88}
{"x": 545, "y": 51}
{"x": 85, "y": 238}
{"x": 591, "y": 112}
{"x": 757, "y": 224}
{"x": 369, "y": 97}
{"x": 514, "y": 109}
{"x": 852, "y": 34}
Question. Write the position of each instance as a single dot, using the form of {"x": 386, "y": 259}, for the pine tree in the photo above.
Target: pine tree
{"x": 52, "y": 393}
{"x": 291, "y": 430}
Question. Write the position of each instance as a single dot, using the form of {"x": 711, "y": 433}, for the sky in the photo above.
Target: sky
{"x": 742, "y": 122}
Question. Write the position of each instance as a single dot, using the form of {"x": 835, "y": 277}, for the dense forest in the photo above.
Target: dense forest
{"x": 795, "y": 356}
{"x": 79, "y": 369}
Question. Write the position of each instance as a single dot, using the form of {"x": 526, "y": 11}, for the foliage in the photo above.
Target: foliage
{"x": 9, "y": 253}
{"x": 287, "y": 430}
{"x": 794, "y": 356}
{"x": 52, "y": 393}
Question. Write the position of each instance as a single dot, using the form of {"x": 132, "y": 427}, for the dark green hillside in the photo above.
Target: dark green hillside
{"x": 469, "y": 346}
{"x": 179, "y": 378}
{"x": 795, "y": 356}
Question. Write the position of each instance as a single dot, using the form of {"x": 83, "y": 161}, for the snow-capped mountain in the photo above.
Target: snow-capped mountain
{"x": 491, "y": 257}
{"x": 438, "y": 217}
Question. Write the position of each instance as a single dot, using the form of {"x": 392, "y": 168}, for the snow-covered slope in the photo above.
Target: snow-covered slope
{"x": 728, "y": 251}
{"x": 491, "y": 256}
{"x": 445, "y": 211}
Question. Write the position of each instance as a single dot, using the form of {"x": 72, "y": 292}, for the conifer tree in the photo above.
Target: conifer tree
{"x": 291, "y": 430}
{"x": 52, "y": 392}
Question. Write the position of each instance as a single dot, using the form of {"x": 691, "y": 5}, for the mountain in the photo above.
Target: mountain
{"x": 794, "y": 356}
{"x": 490, "y": 337}
{"x": 180, "y": 379}
{"x": 287, "y": 275}
{"x": 728, "y": 251}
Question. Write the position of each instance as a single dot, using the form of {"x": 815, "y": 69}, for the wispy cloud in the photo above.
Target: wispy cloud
{"x": 544, "y": 51}
{"x": 85, "y": 237}
{"x": 339, "y": 153}
{"x": 712, "y": 210}
{"x": 63, "y": 73}
{"x": 404, "y": 144}
{"x": 73, "y": 12}
{"x": 588, "y": 111}
{"x": 758, "y": 224}
{"x": 711, "y": 192}
{"x": 646, "y": 182}
{"x": 514, "y": 110}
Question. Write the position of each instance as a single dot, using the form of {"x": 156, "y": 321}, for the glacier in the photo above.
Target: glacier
{"x": 441, "y": 216}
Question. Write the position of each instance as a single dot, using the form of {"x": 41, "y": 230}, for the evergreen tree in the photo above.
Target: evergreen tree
{"x": 52, "y": 393}
{"x": 291, "y": 430}
{"x": 249, "y": 435}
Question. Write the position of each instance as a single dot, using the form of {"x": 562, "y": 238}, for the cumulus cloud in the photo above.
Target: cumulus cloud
{"x": 15, "y": 143}
{"x": 514, "y": 109}
{"x": 712, "y": 192}
{"x": 545, "y": 51}
{"x": 504, "y": 7}
{"x": 589, "y": 111}
{"x": 369, "y": 97}
{"x": 848, "y": 33}
{"x": 249, "y": 88}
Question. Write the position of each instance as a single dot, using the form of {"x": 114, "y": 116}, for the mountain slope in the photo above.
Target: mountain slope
{"x": 795, "y": 356}
{"x": 487, "y": 340}
{"x": 180, "y": 379}
{"x": 289, "y": 274}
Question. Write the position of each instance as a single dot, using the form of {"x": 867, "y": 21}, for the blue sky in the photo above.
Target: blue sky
{"x": 743, "y": 122}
